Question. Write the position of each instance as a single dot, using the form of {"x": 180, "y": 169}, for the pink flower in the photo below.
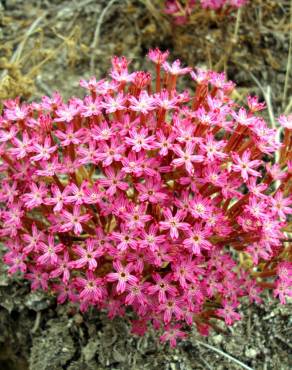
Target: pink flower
{"x": 171, "y": 308}
{"x": 275, "y": 171}
{"x": 91, "y": 107}
{"x": 65, "y": 292}
{"x": 164, "y": 143}
{"x": 113, "y": 181}
{"x": 132, "y": 163}
{"x": 90, "y": 287}
{"x": 143, "y": 104}
{"x": 16, "y": 112}
{"x": 243, "y": 118}
{"x": 9, "y": 192}
{"x": 150, "y": 239}
{"x": 126, "y": 238}
{"x": 102, "y": 132}
{"x": 137, "y": 293}
{"x": 122, "y": 276}
{"x": 57, "y": 199}
{"x": 163, "y": 287}
{"x": 284, "y": 271}
{"x": 142, "y": 79}
{"x": 254, "y": 292}
{"x": 200, "y": 207}
{"x": 244, "y": 165}
{"x": 286, "y": 121}
{"x": 197, "y": 239}
{"x": 63, "y": 268}
{"x": 71, "y": 136}
{"x": 88, "y": 255}
{"x": 183, "y": 271}
{"x": 212, "y": 148}
{"x": 51, "y": 103}
{"x": 173, "y": 223}
{"x": 12, "y": 218}
{"x": 21, "y": 147}
{"x": 281, "y": 206}
{"x": 44, "y": 151}
{"x": 66, "y": 113}
{"x": 151, "y": 191}
{"x": 140, "y": 140}
{"x": 136, "y": 216}
{"x": 73, "y": 221}
{"x": 15, "y": 261}
{"x": 172, "y": 333}
{"x": 283, "y": 290}
{"x": 175, "y": 68}
{"x": 8, "y": 135}
{"x": 259, "y": 251}
{"x": 186, "y": 157}
{"x": 228, "y": 312}
{"x": 31, "y": 241}
{"x": 49, "y": 251}
{"x": 39, "y": 279}
{"x": 157, "y": 56}
{"x": 88, "y": 154}
{"x": 35, "y": 197}
{"x": 109, "y": 154}
{"x": 112, "y": 105}
{"x": 254, "y": 104}
{"x": 165, "y": 101}
{"x": 49, "y": 168}
{"x": 77, "y": 194}
{"x": 139, "y": 327}
{"x": 92, "y": 195}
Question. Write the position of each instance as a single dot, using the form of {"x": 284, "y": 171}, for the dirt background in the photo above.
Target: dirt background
{"x": 48, "y": 45}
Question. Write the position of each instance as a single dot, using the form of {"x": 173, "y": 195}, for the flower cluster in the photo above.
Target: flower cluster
{"x": 181, "y": 10}
{"x": 146, "y": 196}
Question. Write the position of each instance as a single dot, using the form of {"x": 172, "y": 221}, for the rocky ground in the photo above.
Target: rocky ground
{"x": 49, "y": 45}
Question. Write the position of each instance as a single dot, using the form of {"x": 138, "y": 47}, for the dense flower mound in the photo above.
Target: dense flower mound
{"x": 181, "y": 10}
{"x": 146, "y": 196}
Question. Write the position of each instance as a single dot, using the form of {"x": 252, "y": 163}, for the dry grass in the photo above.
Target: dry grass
{"x": 41, "y": 42}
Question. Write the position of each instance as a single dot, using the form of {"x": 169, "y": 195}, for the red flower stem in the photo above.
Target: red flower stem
{"x": 8, "y": 160}
{"x": 72, "y": 152}
{"x": 266, "y": 285}
{"x": 238, "y": 204}
{"x": 158, "y": 78}
{"x": 236, "y": 134}
{"x": 58, "y": 182}
{"x": 285, "y": 147}
{"x": 266, "y": 273}
{"x": 244, "y": 146}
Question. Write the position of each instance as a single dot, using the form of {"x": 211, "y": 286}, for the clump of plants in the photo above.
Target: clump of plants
{"x": 146, "y": 196}
{"x": 181, "y": 10}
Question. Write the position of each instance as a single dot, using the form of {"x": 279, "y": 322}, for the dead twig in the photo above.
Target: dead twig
{"x": 16, "y": 55}
{"x": 283, "y": 340}
{"x": 97, "y": 33}
{"x": 208, "y": 366}
{"x": 289, "y": 61}
{"x": 289, "y": 107}
{"x": 267, "y": 96}
{"x": 232, "y": 42}
{"x": 37, "y": 322}
{"x": 231, "y": 358}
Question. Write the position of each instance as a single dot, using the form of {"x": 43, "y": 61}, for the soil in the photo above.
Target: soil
{"x": 48, "y": 45}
